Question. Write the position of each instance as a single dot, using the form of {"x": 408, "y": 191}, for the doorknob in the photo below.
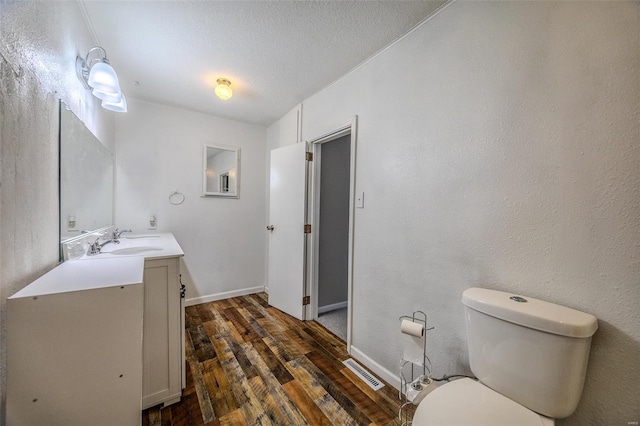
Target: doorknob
{"x": 270, "y": 228}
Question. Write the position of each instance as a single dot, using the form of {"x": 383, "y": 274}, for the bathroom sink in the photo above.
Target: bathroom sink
{"x": 149, "y": 246}
{"x": 134, "y": 250}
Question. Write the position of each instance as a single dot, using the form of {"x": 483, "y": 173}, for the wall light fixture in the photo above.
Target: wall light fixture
{"x": 99, "y": 76}
{"x": 223, "y": 89}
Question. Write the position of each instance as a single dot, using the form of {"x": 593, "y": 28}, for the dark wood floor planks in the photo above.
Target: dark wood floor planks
{"x": 251, "y": 364}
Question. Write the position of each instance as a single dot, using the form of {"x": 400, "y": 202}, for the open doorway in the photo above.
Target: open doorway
{"x": 333, "y": 233}
{"x": 295, "y": 204}
{"x": 331, "y": 214}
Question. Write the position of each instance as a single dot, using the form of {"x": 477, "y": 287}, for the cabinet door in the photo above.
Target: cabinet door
{"x": 161, "y": 346}
{"x": 75, "y": 357}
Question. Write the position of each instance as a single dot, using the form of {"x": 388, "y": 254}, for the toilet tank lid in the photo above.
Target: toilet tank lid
{"x": 530, "y": 312}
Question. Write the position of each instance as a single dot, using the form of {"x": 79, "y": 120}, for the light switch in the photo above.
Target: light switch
{"x": 360, "y": 200}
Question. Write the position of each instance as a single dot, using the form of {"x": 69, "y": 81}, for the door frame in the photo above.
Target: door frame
{"x": 350, "y": 127}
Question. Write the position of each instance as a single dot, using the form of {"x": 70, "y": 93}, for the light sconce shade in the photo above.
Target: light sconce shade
{"x": 106, "y": 95}
{"x": 103, "y": 78}
{"x": 99, "y": 76}
{"x": 223, "y": 89}
{"x": 117, "y": 106}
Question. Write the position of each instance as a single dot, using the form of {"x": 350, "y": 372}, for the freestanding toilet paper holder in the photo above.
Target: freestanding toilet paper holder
{"x": 412, "y": 389}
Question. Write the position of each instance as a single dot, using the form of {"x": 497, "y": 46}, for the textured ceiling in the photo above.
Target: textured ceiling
{"x": 276, "y": 53}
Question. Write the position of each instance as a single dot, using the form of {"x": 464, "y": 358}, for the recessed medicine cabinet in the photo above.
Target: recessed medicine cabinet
{"x": 221, "y": 171}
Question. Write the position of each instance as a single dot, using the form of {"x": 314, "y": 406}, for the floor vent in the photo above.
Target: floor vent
{"x": 373, "y": 382}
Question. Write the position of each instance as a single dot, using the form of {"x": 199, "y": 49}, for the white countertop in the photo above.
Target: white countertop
{"x": 117, "y": 265}
{"x": 76, "y": 276}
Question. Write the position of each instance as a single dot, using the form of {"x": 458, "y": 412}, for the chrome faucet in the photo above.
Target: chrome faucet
{"x": 96, "y": 246}
{"x": 115, "y": 236}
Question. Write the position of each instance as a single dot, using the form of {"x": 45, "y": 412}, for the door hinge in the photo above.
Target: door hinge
{"x": 309, "y": 156}
{"x": 307, "y": 229}
{"x": 306, "y": 300}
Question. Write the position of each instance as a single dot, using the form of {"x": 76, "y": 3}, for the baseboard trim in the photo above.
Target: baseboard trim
{"x": 223, "y": 295}
{"x": 382, "y": 372}
{"x": 333, "y": 307}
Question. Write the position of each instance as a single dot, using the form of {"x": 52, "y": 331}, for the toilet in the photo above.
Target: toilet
{"x": 530, "y": 358}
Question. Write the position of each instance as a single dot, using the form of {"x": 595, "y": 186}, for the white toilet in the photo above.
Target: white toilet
{"x": 530, "y": 358}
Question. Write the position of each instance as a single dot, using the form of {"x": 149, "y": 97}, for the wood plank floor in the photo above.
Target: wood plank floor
{"x": 250, "y": 364}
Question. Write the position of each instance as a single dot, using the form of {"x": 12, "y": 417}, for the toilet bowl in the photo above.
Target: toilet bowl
{"x": 530, "y": 358}
{"x": 469, "y": 402}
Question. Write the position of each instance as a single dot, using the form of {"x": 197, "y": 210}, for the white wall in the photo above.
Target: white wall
{"x": 38, "y": 45}
{"x": 159, "y": 150}
{"x": 506, "y": 157}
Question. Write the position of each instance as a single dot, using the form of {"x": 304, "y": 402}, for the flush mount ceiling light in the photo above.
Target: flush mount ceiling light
{"x": 99, "y": 76}
{"x": 223, "y": 89}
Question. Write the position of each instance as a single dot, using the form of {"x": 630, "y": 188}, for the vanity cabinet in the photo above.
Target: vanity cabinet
{"x": 163, "y": 342}
{"x": 94, "y": 341}
{"x": 74, "y": 345}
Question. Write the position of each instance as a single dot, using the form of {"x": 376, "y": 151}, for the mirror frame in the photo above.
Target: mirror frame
{"x": 236, "y": 152}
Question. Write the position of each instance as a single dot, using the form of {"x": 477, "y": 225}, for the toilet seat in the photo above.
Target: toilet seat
{"x": 468, "y": 402}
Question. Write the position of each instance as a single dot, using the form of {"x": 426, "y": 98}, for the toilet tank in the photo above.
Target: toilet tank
{"x": 530, "y": 351}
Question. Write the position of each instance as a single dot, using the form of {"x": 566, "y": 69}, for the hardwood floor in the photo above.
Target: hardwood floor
{"x": 248, "y": 363}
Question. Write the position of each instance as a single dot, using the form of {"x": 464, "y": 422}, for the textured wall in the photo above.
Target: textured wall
{"x": 511, "y": 134}
{"x": 38, "y": 45}
{"x": 159, "y": 150}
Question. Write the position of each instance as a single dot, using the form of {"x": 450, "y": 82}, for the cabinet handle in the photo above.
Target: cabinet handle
{"x": 183, "y": 288}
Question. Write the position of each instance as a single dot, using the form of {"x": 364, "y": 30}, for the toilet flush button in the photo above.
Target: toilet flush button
{"x": 518, "y": 299}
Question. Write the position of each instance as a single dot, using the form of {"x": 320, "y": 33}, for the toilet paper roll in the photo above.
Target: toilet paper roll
{"x": 411, "y": 328}
{"x": 413, "y": 342}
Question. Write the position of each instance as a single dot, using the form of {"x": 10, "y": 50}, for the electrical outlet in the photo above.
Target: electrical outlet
{"x": 153, "y": 222}
{"x": 418, "y": 389}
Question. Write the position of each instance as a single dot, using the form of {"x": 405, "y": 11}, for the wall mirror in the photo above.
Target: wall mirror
{"x": 86, "y": 179}
{"x": 221, "y": 176}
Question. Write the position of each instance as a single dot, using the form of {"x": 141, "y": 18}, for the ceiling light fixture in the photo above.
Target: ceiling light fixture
{"x": 99, "y": 76}
{"x": 223, "y": 89}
